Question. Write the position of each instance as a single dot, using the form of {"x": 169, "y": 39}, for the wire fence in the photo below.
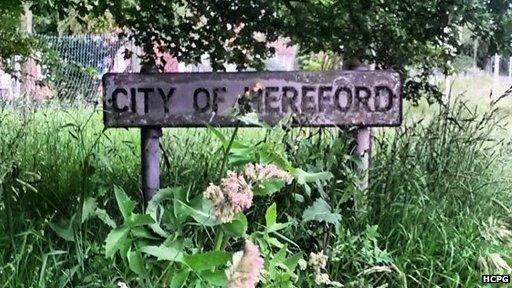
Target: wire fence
{"x": 79, "y": 61}
{"x": 82, "y": 60}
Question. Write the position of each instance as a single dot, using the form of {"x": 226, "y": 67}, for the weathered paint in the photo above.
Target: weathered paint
{"x": 359, "y": 98}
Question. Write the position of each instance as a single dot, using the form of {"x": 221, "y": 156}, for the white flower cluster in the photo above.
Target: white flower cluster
{"x": 318, "y": 262}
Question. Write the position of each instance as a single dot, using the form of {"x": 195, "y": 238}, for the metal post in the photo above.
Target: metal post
{"x": 150, "y": 168}
{"x": 363, "y": 149}
{"x": 363, "y": 135}
{"x": 149, "y": 146}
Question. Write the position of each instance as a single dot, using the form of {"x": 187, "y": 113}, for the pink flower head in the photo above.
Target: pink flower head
{"x": 245, "y": 268}
{"x": 259, "y": 173}
{"x": 232, "y": 196}
{"x": 237, "y": 191}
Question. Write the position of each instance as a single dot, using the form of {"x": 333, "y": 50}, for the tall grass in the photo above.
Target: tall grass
{"x": 434, "y": 186}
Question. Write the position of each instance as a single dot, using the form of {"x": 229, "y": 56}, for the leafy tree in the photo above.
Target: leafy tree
{"x": 13, "y": 42}
{"x": 72, "y": 23}
{"x": 405, "y": 35}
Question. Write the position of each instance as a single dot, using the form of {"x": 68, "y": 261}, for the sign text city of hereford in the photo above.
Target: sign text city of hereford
{"x": 359, "y": 98}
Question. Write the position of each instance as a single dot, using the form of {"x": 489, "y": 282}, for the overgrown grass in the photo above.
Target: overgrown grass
{"x": 434, "y": 186}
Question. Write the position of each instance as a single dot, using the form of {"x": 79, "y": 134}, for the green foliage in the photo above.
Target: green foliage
{"x": 431, "y": 227}
{"x": 462, "y": 64}
{"x": 321, "y": 211}
{"x": 450, "y": 191}
{"x": 13, "y": 41}
{"x": 47, "y": 21}
{"x": 360, "y": 252}
{"x": 320, "y": 62}
{"x": 396, "y": 35}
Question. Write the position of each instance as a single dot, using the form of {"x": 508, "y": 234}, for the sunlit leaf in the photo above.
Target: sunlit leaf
{"x": 207, "y": 260}
{"x": 217, "y": 278}
{"x": 164, "y": 253}
{"x": 271, "y": 215}
{"x": 237, "y": 227}
{"x": 179, "y": 279}
{"x": 125, "y": 204}
{"x": 115, "y": 239}
{"x": 136, "y": 263}
{"x": 88, "y": 208}
{"x": 321, "y": 211}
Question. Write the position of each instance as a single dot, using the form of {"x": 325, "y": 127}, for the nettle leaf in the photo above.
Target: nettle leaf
{"x": 216, "y": 278}
{"x": 280, "y": 256}
{"x": 164, "y": 253}
{"x": 237, "y": 227}
{"x": 105, "y": 218}
{"x": 269, "y": 187}
{"x": 136, "y": 263}
{"x": 292, "y": 261}
{"x": 180, "y": 278}
{"x": 271, "y": 215}
{"x": 88, "y": 208}
{"x": 240, "y": 154}
{"x": 124, "y": 247}
{"x": 320, "y": 211}
{"x": 115, "y": 239}
{"x": 207, "y": 260}
{"x": 303, "y": 178}
{"x": 201, "y": 211}
{"x": 126, "y": 205}
{"x": 142, "y": 232}
{"x": 271, "y": 220}
{"x": 64, "y": 229}
{"x": 140, "y": 220}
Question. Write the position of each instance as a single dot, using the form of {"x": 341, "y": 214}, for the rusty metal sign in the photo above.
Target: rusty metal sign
{"x": 359, "y": 98}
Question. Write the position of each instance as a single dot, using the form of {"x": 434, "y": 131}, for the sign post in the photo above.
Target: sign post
{"x": 149, "y": 153}
{"x": 363, "y": 136}
{"x": 150, "y": 168}
{"x": 151, "y": 101}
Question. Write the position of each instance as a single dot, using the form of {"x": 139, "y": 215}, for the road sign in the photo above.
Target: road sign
{"x": 358, "y": 98}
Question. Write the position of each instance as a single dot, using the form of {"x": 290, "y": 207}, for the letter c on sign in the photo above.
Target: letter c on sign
{"x": 115, "y": 104}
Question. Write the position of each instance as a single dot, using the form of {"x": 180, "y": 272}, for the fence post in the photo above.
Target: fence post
{"x": 475, "y": 54}
{"x": 496, "y": 77}
{"x": 27, "y": 81}
{"x": 509, "y": 67}
{"x": 496, "y": 66}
